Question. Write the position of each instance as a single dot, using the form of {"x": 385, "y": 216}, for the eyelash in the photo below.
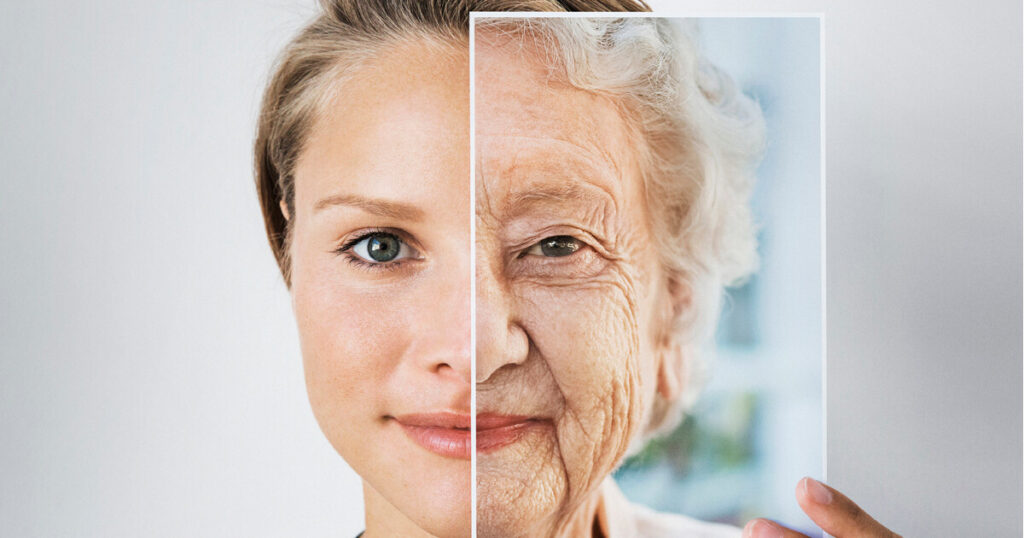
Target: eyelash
{"x": 357, "y": 261}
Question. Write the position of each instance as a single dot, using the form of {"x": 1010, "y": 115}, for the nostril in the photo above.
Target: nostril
{"x": 454, "y": 370}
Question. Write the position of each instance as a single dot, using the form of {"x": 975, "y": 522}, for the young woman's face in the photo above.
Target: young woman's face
{"x": 380, "y": 257}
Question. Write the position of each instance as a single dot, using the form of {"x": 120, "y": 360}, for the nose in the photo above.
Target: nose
{"x": 445, "y": 342}
{"x": 500, "y": 339}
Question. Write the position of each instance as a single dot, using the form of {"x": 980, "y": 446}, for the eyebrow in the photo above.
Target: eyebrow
{"x": 377, "y": 206}
{"x": 554, "y": 193}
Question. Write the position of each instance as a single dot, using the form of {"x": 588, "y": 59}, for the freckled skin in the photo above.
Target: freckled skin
{"x": 568, "y": 340}
{"x": 379, "y": 343}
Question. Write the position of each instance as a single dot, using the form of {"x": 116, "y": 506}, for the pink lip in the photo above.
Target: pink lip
{"x": 495, "y": 431}
{"x": 445, "y": 434}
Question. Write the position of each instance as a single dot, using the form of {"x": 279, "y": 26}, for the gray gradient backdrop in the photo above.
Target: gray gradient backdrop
{"x": 150, "y": 382}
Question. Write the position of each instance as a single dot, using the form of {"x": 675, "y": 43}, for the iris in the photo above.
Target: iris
{"x": 383, "y": 247}
{"x": 559, "y": 246}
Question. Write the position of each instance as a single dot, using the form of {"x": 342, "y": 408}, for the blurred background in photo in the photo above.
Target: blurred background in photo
{"x": 757, "y": 427}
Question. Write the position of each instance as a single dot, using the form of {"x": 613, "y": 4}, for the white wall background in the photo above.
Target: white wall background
{"x": 150, "y": 381}
{"x": 150, "y": 376}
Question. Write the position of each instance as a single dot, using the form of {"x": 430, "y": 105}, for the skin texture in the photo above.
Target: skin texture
{"x": 396, "y": 134}
{"x": 568, "y": 341}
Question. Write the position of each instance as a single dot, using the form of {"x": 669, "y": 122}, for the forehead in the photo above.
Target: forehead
{"x": 533, "y": 127}
{"x": 397, "y": 129}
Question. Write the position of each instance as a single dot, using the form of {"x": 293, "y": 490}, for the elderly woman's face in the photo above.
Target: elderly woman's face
{"x": 568, "y": 292}
{"x": 381, "y": 285}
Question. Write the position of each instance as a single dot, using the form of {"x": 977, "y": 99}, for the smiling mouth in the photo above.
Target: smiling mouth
{"x": 444, "y": 434}
{"x": 495, "y": 431}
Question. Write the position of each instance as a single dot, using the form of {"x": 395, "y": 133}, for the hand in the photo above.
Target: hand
{"x": 831, "y": 510}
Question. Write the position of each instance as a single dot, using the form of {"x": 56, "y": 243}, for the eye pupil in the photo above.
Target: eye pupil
{"x": 383, "y": 247}
{"x": 558, "y": 246}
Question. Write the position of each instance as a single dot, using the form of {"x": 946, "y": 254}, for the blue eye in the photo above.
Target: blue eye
{"x": 381, "y": 248}
{"x": 555, "y": 247}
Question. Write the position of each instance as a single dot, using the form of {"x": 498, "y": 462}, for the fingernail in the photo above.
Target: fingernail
{"x": 762, "y": 528}
{"x": 817, "y": 492}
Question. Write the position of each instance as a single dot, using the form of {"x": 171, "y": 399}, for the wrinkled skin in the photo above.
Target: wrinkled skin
{"x": 567, "y": 340}
{"x": 397, "y": 137}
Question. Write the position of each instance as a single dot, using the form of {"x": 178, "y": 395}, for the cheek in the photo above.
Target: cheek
{"x": 346, "y": 356}
{"x": 589, "y": 335}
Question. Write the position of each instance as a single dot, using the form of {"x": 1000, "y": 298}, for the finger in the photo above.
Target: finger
{"x": 835, "y": 513}
{"x": 765, "y": 528}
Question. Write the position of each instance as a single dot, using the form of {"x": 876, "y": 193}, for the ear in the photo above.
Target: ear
{"x": 284, "y": 210}
{"x": 680, "y": 295}
{"x": 671, "y": 372}
{"x": 674, "y": 355}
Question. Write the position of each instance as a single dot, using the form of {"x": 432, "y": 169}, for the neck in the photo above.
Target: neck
{"x": 383, "y": 519}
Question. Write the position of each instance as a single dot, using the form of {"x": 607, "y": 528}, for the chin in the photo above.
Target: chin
{"x": 408, "y": 487}
{"x": 518, "y": 492}
{"x": 498, "y": 519}
{"x": 452, "y": 505}
{"x": 438, "y": 498}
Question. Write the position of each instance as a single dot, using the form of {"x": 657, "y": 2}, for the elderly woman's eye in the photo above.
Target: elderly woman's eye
{"x": 555, "y": 247}
{"x": 380, "y": 247}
